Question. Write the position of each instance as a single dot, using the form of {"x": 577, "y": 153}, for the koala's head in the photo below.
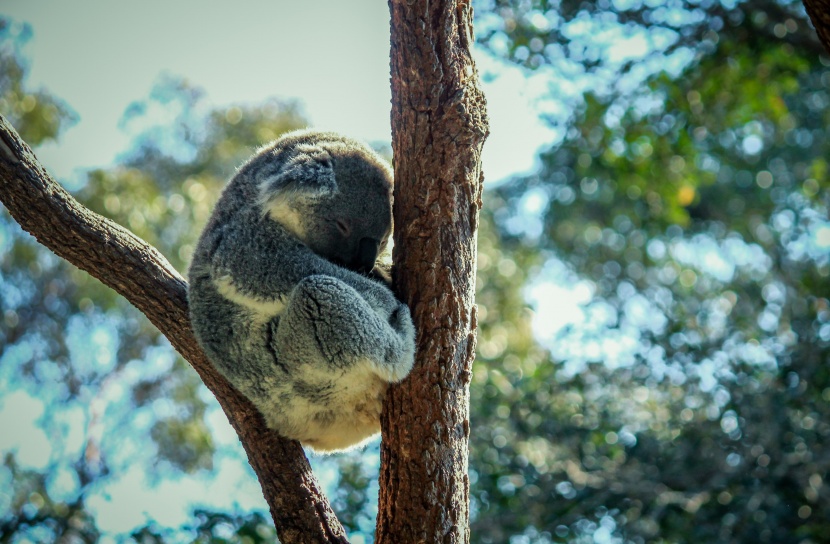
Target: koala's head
{"x": 333, "y": 193}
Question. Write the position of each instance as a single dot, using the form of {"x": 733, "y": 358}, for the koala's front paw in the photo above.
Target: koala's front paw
{"x": 401, "y": 321}
{"x": 401, "y": 357}
{"x": 382, "y": 301}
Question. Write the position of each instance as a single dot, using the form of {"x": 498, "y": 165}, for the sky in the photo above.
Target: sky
{"x": 101, "y": 55}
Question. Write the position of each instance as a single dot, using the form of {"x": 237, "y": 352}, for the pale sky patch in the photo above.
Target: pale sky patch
{"x": 19, "y": 432}
{"x": 128, "y": 502}
{"x": 101, "y": 56}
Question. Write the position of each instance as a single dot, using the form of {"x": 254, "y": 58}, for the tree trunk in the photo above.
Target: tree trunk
{"x": 439, "y": 126}
{"x": 143, "y": 276}
{"x": 438, "y": 129}
{"x": 819, "y": 12}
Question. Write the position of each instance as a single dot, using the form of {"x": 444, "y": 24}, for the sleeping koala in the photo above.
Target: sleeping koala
{"x": 285, "y": 298}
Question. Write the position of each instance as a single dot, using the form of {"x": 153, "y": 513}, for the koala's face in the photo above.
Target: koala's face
{"x": 334, "y": 194}
{"x": 352, "y": 225}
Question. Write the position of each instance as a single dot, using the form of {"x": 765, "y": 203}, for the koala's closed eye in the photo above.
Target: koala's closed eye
{"x": 343, "y": 227}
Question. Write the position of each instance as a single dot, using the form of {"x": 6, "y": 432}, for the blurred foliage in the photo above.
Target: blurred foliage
{"x": 39, "y": 114}
{"x": 684, "y": 398}
{"x": 594, "y": 36}
{"x": 32, "y": 513}
{"x": 355, "y": 496}
{"x": 210, "y": 527}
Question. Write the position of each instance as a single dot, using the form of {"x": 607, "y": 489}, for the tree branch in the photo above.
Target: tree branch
{"x": 438, "y": 129}
{"x": 819, "y": 12}
{"x": 143, "y": 276}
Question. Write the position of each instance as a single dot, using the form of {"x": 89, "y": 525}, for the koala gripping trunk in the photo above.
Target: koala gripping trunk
{"x": 438, "y": 129}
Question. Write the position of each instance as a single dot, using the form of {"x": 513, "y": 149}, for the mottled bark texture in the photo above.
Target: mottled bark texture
{"x": 143, "y": 276}
{"x": 438, "y": 128}
{"x": 819, "y": 12}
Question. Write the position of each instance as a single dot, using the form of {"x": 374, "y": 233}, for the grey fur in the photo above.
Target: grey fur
{"x": 278, "y": 299}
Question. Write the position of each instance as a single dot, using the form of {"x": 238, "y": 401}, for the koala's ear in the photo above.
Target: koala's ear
{"x": 307, "y": 174}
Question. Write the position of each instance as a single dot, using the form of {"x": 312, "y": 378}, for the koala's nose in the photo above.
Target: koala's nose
{"x": 367, "y": 254}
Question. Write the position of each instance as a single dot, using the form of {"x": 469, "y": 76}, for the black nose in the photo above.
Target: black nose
{"x": 367, "y": 254}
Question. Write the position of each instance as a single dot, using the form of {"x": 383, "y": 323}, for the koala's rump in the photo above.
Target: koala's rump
{"x": 329, "y": 412}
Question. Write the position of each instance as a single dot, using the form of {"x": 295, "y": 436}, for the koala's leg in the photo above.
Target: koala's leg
{"x": 329, "y": 325}
{"x": 339, "y": 356}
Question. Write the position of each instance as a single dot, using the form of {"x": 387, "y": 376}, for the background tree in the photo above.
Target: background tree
{"x": 686, "y": 210}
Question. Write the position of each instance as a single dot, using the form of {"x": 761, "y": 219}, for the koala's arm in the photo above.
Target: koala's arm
{"x": 325, "y": 311}
{"x": 327, "y": 320}
{"x": 242, "y": 266}
{"x": 258, "y": 266}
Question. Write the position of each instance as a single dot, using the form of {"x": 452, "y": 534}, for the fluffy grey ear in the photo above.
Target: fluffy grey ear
{"x": 306, "y": 174}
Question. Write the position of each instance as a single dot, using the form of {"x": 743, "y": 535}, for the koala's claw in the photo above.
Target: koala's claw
{"x": 395, "y": 317}
{"x": 401, "y": 321}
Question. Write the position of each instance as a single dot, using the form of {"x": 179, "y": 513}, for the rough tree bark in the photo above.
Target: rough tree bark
{"x": 143, "y": 276}
{"x": 438, "y": 129}
{"x": 819, "y": 12}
